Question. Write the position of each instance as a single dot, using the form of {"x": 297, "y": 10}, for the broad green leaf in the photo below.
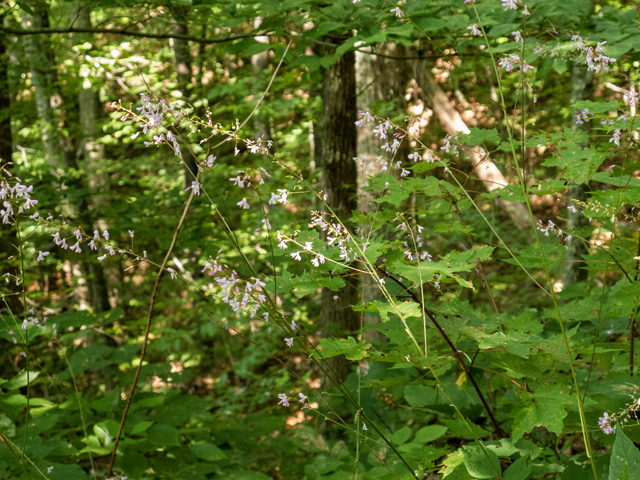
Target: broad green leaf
{"x": 20, "y": 380}
{"x": 430, "y": 432}
{"x": 578, "y": 164}
{"x": 625, "y": 458}
{"x": 7, "y": 427}
{"x": 453, "y": 464}
{"x": 163, "y": 435}
{"x": 460, "y": 429}
{"x": 140, "y": 427}
{"x": 530, "y": 256}
{"x": 597, "y": 107}
{"x": 481, "y": 464}
{"x": 547, "y": 407}
{"x": 420, "y": 395}
{"x": 207, "y": 452}
{"x": 478, "y": 136}
{"x": 406, "y": 309}
{"x": 310, "y": 440}
{"x": 331, "y": 347}
{"x": 452, "y": 263}
{"x": 622, "y": 181}
{"x": 401, "y": 436}
{"x": 518, "y": 470}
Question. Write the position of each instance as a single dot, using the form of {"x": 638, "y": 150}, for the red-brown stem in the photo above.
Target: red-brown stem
{"x": 478, "y": 263}
{"x": 147, "y": 331}
{"x": 456, "y": 353}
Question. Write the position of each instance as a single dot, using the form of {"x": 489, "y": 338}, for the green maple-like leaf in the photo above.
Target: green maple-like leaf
{"x": 546, "y": 407}
{"x": 332, "y": 347}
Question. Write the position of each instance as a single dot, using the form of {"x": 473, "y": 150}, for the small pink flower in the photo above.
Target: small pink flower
{"x": 474, "y": 29}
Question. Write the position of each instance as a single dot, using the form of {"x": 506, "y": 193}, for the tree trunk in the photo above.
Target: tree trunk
{"x": 338, "y": 136}
{"x": 377, "y": 78}
{"x": 574, "y": 271}
{"x": 44, "y": 78}
{"x": 91, "y": 154}
{"x": 453, "y": 124}
{"x": 182, "y": 56}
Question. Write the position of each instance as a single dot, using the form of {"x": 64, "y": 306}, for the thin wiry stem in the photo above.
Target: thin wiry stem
{"x": 148, "y": 329}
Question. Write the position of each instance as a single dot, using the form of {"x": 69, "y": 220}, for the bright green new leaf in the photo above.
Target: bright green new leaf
{"x": 331, "y": 347}
{"x": 481, "y": 464}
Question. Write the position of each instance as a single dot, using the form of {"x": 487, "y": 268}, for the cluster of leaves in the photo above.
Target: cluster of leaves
{"x": 460, "y": 386}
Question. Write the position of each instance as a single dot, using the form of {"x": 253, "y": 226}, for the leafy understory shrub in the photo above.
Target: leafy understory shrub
{"x": 460, "y": 387}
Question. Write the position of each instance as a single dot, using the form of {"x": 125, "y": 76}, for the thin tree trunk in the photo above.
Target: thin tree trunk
{"x": 338, "y": 136}
{"x": 453, "y": 124}
{"x": 182, "y": 55}
{"x": 574, "y": 271}
{"x": 41, "y": 59}
{"x": 92, "y": 154}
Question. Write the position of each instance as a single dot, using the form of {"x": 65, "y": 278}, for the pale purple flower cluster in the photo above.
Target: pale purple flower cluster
{"x": 631, "y": 98}
{"x": 403, "y": 226}
{"x": 582, "y": 116}
{"x": 513, "y": 62}
{"x": 606, "y": 423}
{"x": 513, "y": 5}
{"x": 617, "y": 133}
{"x": 550, "y": 227}
{"x": 248, "y": 299}
{"x": 380, "y": 131}
{"x": 16, "y": 196}
{"x": 284, "y": 400}
{"x": 596, "y": 60}
{"x": 474, "y": 29}
{"x": 153, "y": 110}
{"x": 259, "y": 146}
{"x": 448, "y": 147}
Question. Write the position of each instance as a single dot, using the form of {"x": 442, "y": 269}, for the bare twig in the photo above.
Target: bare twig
{"x": 130, "y": 33}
